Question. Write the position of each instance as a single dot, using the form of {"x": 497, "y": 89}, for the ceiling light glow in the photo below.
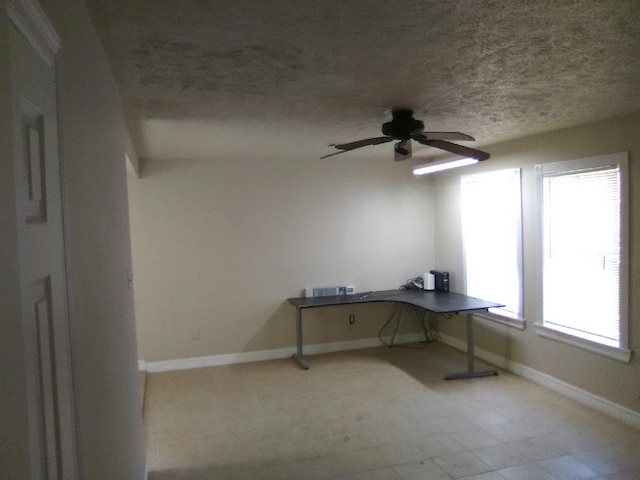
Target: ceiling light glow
{"x": 440, "y": 166}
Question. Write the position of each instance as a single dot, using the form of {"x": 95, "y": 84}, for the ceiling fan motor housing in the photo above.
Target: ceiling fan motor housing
{"x": 403, "y": 125}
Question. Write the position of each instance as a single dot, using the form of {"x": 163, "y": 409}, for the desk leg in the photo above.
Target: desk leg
{"x": 471, "y": 372}
{"x": 298, "y": 355}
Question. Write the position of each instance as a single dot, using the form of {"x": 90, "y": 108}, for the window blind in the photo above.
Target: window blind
{"x": 492, "y": 236}
{"x": 581, "y": 253}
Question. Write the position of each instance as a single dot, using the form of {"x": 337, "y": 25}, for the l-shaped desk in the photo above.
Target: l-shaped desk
{"x": 436, "y": 302}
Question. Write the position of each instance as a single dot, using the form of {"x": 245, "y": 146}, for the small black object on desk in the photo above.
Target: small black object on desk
{"x": 436, "y": 302}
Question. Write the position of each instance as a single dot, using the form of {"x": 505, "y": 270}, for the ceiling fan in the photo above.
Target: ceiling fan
{"x": 404, "y": 128}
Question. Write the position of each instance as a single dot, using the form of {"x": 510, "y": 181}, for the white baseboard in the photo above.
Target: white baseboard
{"x": 261, "y": 355}
{"x": 485, "y": 355}
{"x": 603, "y": 405}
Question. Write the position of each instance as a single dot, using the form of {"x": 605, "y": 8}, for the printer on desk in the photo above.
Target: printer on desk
{"x": 441, "y": 280}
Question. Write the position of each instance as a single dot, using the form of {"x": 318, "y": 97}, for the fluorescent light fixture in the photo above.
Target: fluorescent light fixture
{"x": 440, "y": 166}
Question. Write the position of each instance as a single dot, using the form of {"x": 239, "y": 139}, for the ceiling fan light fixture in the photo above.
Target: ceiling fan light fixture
{"x": 430, "y": 168}
{"x": 403, "y": 147}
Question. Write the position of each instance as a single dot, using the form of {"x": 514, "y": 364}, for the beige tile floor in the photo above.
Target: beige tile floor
{"x": 375, "y": 414}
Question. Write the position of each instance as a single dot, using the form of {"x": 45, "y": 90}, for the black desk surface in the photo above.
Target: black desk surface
{"x": 437, "y": 302}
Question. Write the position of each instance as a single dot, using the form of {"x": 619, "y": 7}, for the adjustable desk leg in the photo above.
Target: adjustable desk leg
{"x": 298, "y": 355}
{"x": 471, "y": 372}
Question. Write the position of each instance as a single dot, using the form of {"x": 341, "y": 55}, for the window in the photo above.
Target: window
{"x": 583, "y": 245}
{"x": 492, "y": 239}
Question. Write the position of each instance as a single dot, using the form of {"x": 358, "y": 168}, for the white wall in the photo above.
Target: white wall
{"x": 103, "y": 336}
{"x": 13, "y": 419}
{"x": 220, "y": 244}
{"x": 107, "y": 400}
{"x": 604, "y": 377}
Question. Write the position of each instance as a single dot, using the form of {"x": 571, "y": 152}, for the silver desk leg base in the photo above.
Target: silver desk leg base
{"x": 300, "y": 361}
{"x": 471, "y": 372}
{"x": 479, "y": 373}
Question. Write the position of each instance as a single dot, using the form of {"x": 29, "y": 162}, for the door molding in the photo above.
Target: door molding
{"x": 52, "y": 437}
{"x": 29, "y": 18}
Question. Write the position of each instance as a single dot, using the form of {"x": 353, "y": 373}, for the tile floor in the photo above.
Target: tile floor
{"x": 375, "y": 414}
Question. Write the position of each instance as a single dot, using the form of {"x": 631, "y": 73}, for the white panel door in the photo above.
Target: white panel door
{"x": 42, "y": 257}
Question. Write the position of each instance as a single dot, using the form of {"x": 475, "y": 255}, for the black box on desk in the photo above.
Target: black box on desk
{"x": 442, "y": 280}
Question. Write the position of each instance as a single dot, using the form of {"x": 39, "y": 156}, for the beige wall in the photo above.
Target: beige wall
{"x": 220, "y": 244}
{"x": 610, "y": 379}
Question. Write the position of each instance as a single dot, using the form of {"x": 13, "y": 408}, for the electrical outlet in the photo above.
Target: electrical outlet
{"x": 196, "y": 333}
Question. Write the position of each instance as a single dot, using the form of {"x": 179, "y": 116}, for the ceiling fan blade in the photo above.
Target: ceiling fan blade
{"x": 345, "y": 147}
{"x": 443, "y": 136}
{"x": 334, "y": 153}
{"x": 362, "y": 143}
{"x": 457, "y": 149}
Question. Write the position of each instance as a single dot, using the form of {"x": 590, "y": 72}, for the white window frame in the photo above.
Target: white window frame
{"x": 619, "y": 160}
{"x": 499, "y": 315}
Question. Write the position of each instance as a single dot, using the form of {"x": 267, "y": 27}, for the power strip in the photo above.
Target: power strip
{"x": 329, "y": 291}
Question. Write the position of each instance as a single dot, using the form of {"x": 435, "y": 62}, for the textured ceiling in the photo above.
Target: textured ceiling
{"x": 283, "y": 78}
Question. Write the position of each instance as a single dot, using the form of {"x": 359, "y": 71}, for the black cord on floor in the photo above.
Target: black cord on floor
{"x": 428, "y": 321}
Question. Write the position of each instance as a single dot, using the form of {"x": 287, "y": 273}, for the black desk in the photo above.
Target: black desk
{"x": 436, "y": 302}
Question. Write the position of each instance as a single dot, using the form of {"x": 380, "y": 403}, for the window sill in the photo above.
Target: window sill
{"x": 518, "y": 323}
{"x": 620, "y": 354}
